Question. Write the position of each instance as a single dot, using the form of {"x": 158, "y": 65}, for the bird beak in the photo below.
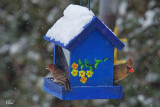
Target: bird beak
{"x": 131, "y": 70}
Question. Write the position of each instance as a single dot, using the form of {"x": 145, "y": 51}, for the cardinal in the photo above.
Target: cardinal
{"x": 59, "y": 76}
{"x": 123, "y": 70}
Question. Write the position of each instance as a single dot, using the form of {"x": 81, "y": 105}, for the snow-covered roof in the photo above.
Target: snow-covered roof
{"x": 71, "y": 24}
{"x": 75, "y": 25}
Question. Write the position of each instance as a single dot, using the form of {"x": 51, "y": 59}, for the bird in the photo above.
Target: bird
{"x": 59, "y": 76}
{"x": 122, "y": 71}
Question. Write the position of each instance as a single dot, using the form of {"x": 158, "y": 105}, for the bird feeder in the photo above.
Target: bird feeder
{"x": 84, "y": 49}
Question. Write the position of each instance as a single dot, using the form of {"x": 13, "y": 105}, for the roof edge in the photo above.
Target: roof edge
{"x": 87, "y": 29}
{"x": 53, "y": 41}
{"x": 94, "y": 23}
{"x": 77, "y": 39}
{"x": 109, "y": 34}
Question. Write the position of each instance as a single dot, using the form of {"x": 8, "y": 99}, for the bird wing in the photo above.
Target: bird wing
{"x": 60, "y": 75}
{"x": 119, "y": 73}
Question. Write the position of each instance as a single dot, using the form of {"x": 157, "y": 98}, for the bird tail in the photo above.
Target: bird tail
{"x": 67, "y": 86}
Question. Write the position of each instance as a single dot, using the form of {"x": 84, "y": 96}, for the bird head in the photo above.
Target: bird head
{"x": 130, "y": 66}
{"x": 51, "y": 67}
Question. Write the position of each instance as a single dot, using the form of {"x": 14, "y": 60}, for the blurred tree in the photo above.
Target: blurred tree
{"x": 108, "y": 11}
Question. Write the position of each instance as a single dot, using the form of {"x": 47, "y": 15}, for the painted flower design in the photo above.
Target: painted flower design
{"x": 83, "y": 80}
{"x": 89, "y": 73}
{"x": 84, "y": 69}
{"x": 74, "y": 72}
{"x": 74, "y": 65}
{"x": 81, "y": 73}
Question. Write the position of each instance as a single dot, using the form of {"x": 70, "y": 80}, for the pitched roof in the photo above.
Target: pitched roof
{"x": 72, "y": 22}
{"x": 94, "y": 23}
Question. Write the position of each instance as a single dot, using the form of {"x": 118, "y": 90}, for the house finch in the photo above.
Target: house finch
{"x": 59, "y": 76}
{"x": 123, "y": 70}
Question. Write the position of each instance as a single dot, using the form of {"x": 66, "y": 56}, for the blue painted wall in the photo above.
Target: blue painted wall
{"x": 95, "y": 45}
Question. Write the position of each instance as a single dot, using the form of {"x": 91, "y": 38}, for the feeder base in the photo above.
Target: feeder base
{"x": 83, "y": 92}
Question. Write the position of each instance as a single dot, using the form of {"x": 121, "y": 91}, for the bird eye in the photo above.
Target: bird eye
{"x": 128, "y": 67}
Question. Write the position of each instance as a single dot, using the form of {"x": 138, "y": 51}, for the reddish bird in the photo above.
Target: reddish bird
{"x": 123, "y": 70}
{"x": 59, "y": 76}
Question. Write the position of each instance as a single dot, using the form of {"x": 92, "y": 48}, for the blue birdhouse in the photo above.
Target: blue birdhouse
{"x": 84, "y": 50}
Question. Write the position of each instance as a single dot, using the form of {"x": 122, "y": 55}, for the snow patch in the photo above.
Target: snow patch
{"x": 141, "y": 98}
{"x": 34, "y": 55}
{"x": 52, "y": 15}
{"x": 4, "y": 48}
{"x": 35, "y": 98}
{"x": 18, "y": 46}
{"x": 71, "y": 24}
{"x": 132, "y": 101}
{"x": 26, "y": 16}
{"x": 10, "y": 18}
{"x": 100, "y": 102}
{"x": 50, "y": 47}
{"x": 123, "y": 8}
{"x": 131, "y": 16}
{"x": 35, "y": 1}
{"x": 149, "y": 15}
{"x": 152, "y": 77}
{"x": 148, "y": 101}
{"x": 119, "y": 21}
{"x": 151, "y": 4}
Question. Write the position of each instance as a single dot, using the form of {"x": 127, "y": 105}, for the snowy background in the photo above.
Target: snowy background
{"x": 24, "y": 53}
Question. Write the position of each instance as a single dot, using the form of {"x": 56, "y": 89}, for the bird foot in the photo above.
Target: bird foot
{"x": 115, "y": 84}
{"x": 50, "y": 78}
{"x": 55, "y": 81}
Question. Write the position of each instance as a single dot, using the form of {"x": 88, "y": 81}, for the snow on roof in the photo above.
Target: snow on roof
{"x": 71, "y": 24}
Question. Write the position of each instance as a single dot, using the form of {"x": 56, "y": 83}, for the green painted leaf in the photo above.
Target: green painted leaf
{"x": 82, "y": 66}
{"x": 91, "y": 68}
{"x": 96, "y": 64}
{"x": 105, "y": 59}
{"x": 86, "y": 61}
{"x": 99, "y": 61}
{"x": 79, "y": 62}
{"x": 95, "y": 60}
{"x": 86, "y": 65}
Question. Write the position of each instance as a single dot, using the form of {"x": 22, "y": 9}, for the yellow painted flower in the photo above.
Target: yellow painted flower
{"x": 74, "y": 65}
{"x": 81, "y": 73}
{"x": 83, "y": 80}
{"x": 89, "y": 73}
{"x": 74, "y": 72}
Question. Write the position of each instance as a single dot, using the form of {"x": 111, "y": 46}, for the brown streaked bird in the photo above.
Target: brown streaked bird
{"x": 122, "y": 71}
{"x": 59, "y": 76}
